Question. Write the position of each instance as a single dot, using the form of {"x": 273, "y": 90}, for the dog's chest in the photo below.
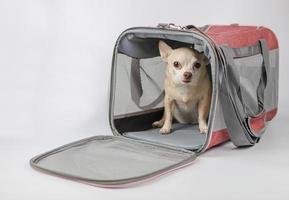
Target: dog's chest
{"x": 185, "y": 105}
{"x": 186, "y": 97}
{"x": 185, "y": 112}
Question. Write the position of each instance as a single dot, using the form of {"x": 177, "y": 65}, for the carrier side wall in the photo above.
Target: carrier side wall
{"x": 238, "y": 37}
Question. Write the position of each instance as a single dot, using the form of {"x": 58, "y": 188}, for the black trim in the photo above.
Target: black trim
{"x": 137, "y": 123}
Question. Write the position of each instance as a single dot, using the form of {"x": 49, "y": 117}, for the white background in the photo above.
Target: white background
{"x": 55, "y": 61}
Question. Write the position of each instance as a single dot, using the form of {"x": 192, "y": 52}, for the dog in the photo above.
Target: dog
{"x": 187, "y": 88}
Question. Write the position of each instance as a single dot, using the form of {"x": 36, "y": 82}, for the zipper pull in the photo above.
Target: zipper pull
{"x": 171, "y": 26}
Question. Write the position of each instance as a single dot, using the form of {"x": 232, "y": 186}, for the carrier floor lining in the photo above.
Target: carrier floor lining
{"x": 183, "y": 135}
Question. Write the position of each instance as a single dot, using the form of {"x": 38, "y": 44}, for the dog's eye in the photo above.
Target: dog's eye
{"x": 197, "y": 64}
{"x": 177, "y": 64}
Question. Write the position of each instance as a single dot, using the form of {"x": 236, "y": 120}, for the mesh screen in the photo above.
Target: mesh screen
{"x": 152, "y": 73}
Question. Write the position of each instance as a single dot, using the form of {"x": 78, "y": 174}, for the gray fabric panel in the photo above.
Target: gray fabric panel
{"x": 145, "y": 45}
{"x": 183, "y": 135}
{"x": 219, "y": 122}
{"x": 246, "y": 51}
{"x": 271, "y": 91}
{"x": 250, "y": 69}
{"x": 110, "y": 159}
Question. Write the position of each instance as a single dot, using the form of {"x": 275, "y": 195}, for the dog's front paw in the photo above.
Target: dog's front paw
{"x": 165, "y": 130}
{"x": 158, "y": 124}
{"x": 203, "y": 128}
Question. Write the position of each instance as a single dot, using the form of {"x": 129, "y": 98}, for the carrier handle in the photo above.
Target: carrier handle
{"x": 244, "y": 131}
{"x": 257, "y": 124}
{"x": 136, "y": 89}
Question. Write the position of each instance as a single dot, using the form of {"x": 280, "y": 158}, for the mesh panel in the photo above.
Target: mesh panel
{"x": 250, "y": 72}
{"x": 152, "y": 79}
{"x": 152, "y": 72}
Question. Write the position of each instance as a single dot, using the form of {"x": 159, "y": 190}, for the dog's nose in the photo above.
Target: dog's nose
{"x": 188, "y": 75}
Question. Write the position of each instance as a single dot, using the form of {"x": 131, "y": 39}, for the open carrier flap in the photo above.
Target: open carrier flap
{"x": 111, "y": 161}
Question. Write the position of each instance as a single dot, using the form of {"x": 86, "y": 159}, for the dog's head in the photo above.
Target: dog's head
{"x": 184, "y": 65}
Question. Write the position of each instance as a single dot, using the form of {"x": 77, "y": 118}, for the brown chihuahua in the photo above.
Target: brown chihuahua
{"x": 187, "y": 88}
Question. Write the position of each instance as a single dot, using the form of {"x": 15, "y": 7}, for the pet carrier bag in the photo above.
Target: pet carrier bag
{"x": 244, "y": 74}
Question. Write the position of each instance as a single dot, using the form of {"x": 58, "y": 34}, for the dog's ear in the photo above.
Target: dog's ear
{"x": 165, "y": 50}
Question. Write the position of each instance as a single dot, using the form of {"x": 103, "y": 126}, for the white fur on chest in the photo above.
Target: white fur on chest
{"x": 185, "y": 104}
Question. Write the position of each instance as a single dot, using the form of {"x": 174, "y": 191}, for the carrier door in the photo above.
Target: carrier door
{"x": 242, "y": 92}
{"x": 111, "y": 161}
